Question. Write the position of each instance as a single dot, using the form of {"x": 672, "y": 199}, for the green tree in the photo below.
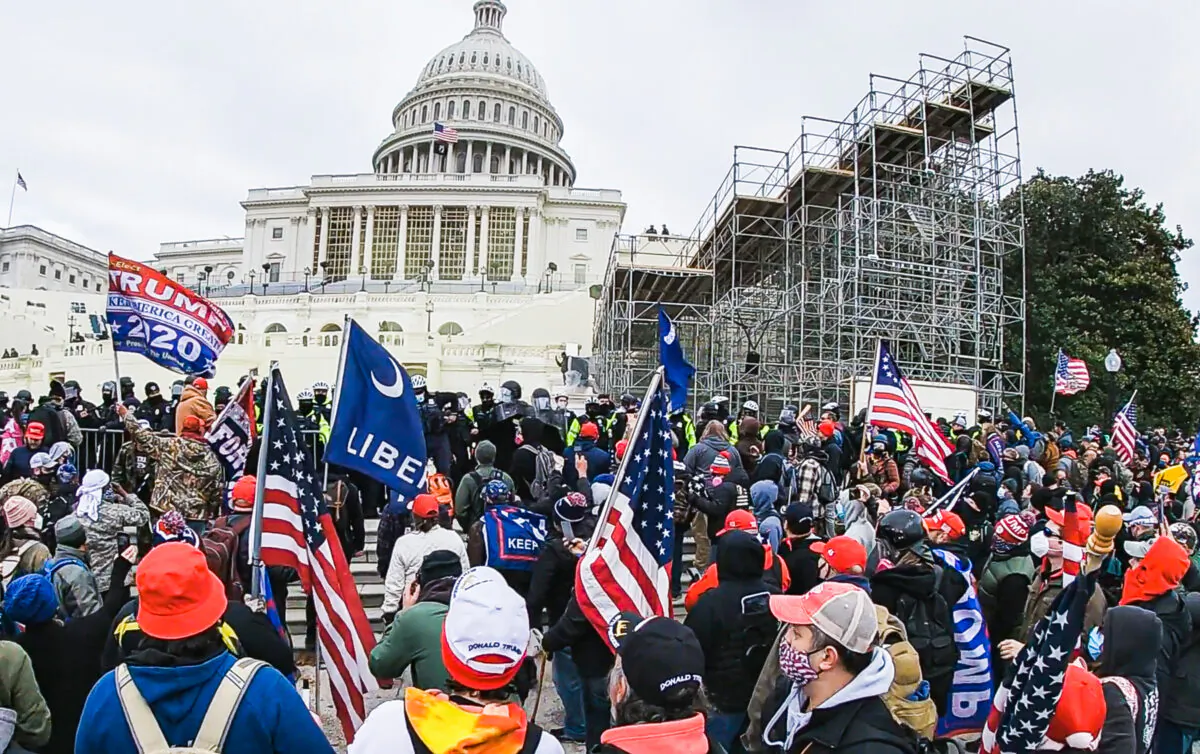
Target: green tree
{"x": 1099, "y": 274}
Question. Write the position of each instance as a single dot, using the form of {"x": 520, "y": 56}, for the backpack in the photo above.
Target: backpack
{"x": 56, "y": 564}
{"x": 147, "y": 734}
{"x": 930, "y": 629}
{"x": 544, "y": 465}
{"x": 908, "y": 697}
{"x": 220, "y": 546}
{"x": 480, "y": 483}
{"x": 10, "y": 567}
{"x": 786, "y": 481}
{"x": 827, "y": 488}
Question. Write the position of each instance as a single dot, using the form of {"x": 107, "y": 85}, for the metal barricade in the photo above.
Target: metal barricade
{"x": 99, "y": 449}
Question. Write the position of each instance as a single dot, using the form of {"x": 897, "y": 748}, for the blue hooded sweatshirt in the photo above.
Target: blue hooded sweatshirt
{"x": 763, "y": 495}
{"x": 271, "y": 718}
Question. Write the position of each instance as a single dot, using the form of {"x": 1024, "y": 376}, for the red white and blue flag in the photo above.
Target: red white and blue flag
{"x": 628, "y": 565}
{"x": 894, "y": 405}
{"x": 1070, "y": 375}
{"x": 150, "y": 314}
{"x": 1124, "y": 435}
{"x": 445, "y": 133}
{"x": 298, "y": 532}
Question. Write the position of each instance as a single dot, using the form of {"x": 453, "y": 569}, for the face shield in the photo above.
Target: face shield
{"x": 506, "y": 395}
{"x": 541, "y": 403}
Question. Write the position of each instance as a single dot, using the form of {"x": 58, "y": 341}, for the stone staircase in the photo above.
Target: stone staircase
{"x": 370, "y": 586}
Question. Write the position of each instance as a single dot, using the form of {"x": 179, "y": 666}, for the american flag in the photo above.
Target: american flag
{"x": 298, "y": 532}
{"x": 21, "y": 181}
{"x": 1124, "y": 432}
{"x": 1070, "y": 375}
{"x": 1025, "y": 704}
{"x": 894, "y": 405}
{"x": 444, "y": 133}
{"x": 629, "y": 563}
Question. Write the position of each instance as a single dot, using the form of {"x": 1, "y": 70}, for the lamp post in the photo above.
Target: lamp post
{"x": 266, "y": 268}
{"x": 307, "y": 272}
{"x": 482, "y": 276}
{"x": 251, "y": 274}
{"x": 427, "y": 276}
{"x": 429, "y": 317}
{"x": 208, "y": 270}
{"x": 201, "y": 277}
{"x": 1112, "y": 365}
{"x": 324, "y": 275}
{"x": 548, "y": 279}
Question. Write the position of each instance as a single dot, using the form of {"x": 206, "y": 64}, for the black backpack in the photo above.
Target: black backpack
{"x": 827, "y": 488}
{"x": 480, "y": 483}
{"x": 930, "y": 627}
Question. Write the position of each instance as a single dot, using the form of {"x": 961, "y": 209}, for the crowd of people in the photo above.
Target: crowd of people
{"x": 819, "y": 597}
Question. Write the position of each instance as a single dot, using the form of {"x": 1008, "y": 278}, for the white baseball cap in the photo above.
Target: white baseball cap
{"x": 486, "y": 633}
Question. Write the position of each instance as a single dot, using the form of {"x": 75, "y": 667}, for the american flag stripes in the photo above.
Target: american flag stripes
{"x": 894, "y": 405}
{"x": 298, "y": 532}
{"x": 628, "y": 565}
{"x": 444, "y": 133}
{"x": 1025, "y": 704}
{"x": 1125, "y": 432}
{"x": 21, "y": 181}
{"x": 1070, "y": 375}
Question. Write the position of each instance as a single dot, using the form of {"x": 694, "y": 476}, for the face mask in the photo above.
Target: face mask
{"x": 561, "y": 404}
{"x": 506, "y": 395}
{"x": 541, "y": 404}
{"x": 318, "y": 398}
{"x": 305, "y": 406}
{"x": 1039, "y": 544}
{"x": 593, "y": 411}
{"x": 24, "y": 419}
{"x": 796, "y": 665}
{"x": 487, "y": 400}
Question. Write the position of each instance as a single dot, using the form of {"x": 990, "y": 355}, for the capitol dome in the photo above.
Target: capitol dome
{"x": 492, "y": 107}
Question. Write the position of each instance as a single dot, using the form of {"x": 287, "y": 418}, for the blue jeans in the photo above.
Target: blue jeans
{"x": 1170, "y": 738}
{"x": 595, "y": 709}
{"x": 570, "y": 690}
{"x": 726, "y": 729}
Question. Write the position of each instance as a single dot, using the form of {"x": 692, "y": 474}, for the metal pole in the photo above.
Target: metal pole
{"x": 12, "y": 200}
{"x": 256, "y": 522}
{"x": 346, "y": 321}
{"x": 116, "y": 365}
{"x": 655, "y": 380}
{"x": 862, "y": 448}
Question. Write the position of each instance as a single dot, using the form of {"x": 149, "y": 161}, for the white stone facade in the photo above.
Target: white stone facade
{"x": 35, "y": 259}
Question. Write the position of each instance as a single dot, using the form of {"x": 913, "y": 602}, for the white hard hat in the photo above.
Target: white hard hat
{"x": 831, "y": 406}
{"x": 750, "y": 406}
{"x": 304, "y": 395}
{"x": 720, "y": 399}
{"x": 486, "y": 388}
{"x": 418, "y": 382}
{"x": 320, "y": 385}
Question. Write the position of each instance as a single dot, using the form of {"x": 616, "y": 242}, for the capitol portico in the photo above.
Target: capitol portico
{"x": 468, "y": 248}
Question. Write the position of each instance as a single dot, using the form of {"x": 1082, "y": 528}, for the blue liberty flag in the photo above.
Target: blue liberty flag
{"x": 376, "y": 425}
{"x": 678, "y": 372}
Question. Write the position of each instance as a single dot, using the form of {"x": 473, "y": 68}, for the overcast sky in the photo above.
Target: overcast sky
{"x": 141, "y": 122}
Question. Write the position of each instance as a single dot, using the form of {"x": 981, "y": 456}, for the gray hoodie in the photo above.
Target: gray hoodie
{"x": 701, "y": 455}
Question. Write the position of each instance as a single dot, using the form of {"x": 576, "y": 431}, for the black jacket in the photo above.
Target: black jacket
{"x": 1181, "y": 698}
{"x": 861, "y": 726}
{"x": 734, "y": 624}
{"x": 524, "y": 465}
{"x": 573, "y": 630}
{"x": 716, "y": 503}
{"x": 1176, "y": 631}
{"x": 48, "y": 415}
{"x": 801, "y": 563}
{"x": 552, "y": 583}
{"x": 1130, "y": 654}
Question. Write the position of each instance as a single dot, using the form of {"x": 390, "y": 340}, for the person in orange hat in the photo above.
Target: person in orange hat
{"x": 184, "y": 675}
{"x": 775, "y": 571}
{"x": 194, "y": 402}
{"x": 947, "y": 531}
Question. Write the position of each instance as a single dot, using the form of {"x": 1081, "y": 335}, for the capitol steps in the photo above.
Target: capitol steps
{"x": 371, "y": 590}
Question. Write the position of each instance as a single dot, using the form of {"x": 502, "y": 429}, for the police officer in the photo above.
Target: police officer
{"x": 153, "y": 410}
{"x": 320, "y": 391}
{"x": 106, "y": 412}
{"x": 313, "y": 424}
{"x": 127, "y": 397}
{"x": 84, "y": 411}
{"x": 684, "y": 430}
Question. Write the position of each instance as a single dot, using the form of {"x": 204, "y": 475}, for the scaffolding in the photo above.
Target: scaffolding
{"x": 886, "y": 224}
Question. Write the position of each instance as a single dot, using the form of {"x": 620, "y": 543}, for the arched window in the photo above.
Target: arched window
{"x": 508, "y": 61}
{"x": 450, "y": 328}
{"x": 441, "y": 63}
{"x": 466, "y": 109}
{"x": 496, "y": 113}
{"x": 331, "y": 335}
{"x": 275, "y": 327}
{"x": 462, "y": 58}
{"x": 460, "y": 160}
{"x": 482, "y": 110}
{"x": 477, "y": 163}
{"x": 537, "y": 124}
{"x": 450, "y": 109}
{"x": 512, "y": 116}
{"x": 474, "y": 58}
{"x": 524, "y": 120}
{"x": 437, "y": 110}
{"x": 519, "y": 71}
{"x": 424, "y": 113}
{"x": 423, "y": 163}
{"x": 545, "y": 126}
{"x": 485, "y": 59}
{"x": 495, "y": 166}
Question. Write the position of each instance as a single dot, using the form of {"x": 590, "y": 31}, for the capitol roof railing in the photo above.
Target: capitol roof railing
{"x": 203, "y": 244}
{"x": 33, "y": 232}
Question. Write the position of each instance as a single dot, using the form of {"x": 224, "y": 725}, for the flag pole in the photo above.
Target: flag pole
{"x": 12, "y": 200}
{"x": 346, "y": 321}
{"x": 1054, "y": 383}
{"x": 256, "y": 522}
{"x": 655, "y": 380}
{"x": 862, "y": 448}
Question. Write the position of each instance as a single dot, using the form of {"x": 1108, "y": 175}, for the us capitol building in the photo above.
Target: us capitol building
{"x": 472, "y": 255}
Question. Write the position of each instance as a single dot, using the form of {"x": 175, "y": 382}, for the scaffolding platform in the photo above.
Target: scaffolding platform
{"x": 887, "y": 223}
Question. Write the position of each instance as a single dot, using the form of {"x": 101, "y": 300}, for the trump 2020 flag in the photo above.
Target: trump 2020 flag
{"x": 157, "y": 317}
{"x": 677, "y": 370}
{"x": 376, "y": 426}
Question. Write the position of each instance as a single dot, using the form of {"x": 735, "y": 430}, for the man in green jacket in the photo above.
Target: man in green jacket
{"x": 415, "y": 636}
{"x": 19, "y": 692}
{"x": 467, "y": 507}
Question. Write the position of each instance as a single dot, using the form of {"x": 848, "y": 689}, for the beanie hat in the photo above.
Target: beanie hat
{"x": 30, "y": 600}
{"x": 439, "y": 564}
{"x": 1010, "y": 532}
{"x": 69, "y": 531}
{"x": 571, "y": 508}
{"x": 720, "y": 465}
{"x": 622, "y": 446}
{"x": 241, "y": 499}
{"x": 19, "y": 511}
{"x": 485, "y": 453}
{"x": 67, "y": 472}
{"x": 486, "y": 632}
{"x": 173, "y": 527}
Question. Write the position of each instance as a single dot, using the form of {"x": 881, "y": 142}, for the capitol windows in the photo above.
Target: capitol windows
{"x": 58, "y": 274}
{"x": 496, "y": 113}
{"x": 581, "y": 274}
{"x": 537, "y": 124}
{"x": 437, "y": 110}
{"x": 385, "y": 242}
{"x": 477, "y": 162}
{"x": 466, "y": 109}
{"x": 485, "y": 59}
{"x": 450, "y": 109}
{"x": 512, "y": 116}
{"x": 474, "y": 58}
{"x": 419, "y": 241}
{"x": 460, "y": 162}
{"x": 581, "y": 234}
{"x": 337, "y": 245}
{"x": 42, "y": 270}
{"x": 495, "y": 166}
{"x": 424, "y": 113}
{"x": 524, "y": 121}
{"x": 452, "y": 254}
{"x": 71, "y": 279}
{"x": 502, "y": 242}
{"x": 276, "y": 233}
{"x": 482, "y": 110}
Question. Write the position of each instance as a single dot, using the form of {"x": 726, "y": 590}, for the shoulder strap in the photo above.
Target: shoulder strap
{"x": 146, "y": 733}
{"x": 1127, "y": 690}
{"x": 533, "y": 738}
{"x": 224, "y": 705}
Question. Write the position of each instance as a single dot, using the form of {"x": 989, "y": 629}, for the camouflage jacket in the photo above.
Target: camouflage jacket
{"x": 188, "y": 476}
{"x": 114, "y": 515}
{"x": 134, "y": 471}
{"x": 29, "y": 488}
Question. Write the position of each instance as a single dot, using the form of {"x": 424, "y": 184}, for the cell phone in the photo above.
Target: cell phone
{"x": 122, "y": 541}
{"x": 756, "y": 604}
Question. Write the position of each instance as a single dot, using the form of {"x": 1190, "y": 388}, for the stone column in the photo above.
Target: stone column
{"x": 309, "y": 238}
{"x": 507, "y": 161}
{"x": 487, "y": 160}
{"x": 435, "y": 246}
{"x": 450, "y": 166}
{"x": 324, "y": 246}
{"x": 524, "y": 161}
{"x": 355, "y": 239}
{"x": 470, "y": 157}
{"x": 537, "y": 243}
{"x": 369, "y": 240}
{"x": 295, "y": 260}
{"x": 250, "y": 251}
{"x": 432, "y": 157}
{"x": 401, "y": 245}
{"x": 483, "y": 241}
{"x": 472, "y": 262}
{"x": 516, "y": 272}
{"x": 539, "y": 168}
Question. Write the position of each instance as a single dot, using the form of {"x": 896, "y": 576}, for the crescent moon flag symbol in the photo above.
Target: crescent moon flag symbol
{"x": 670, "y": 336}
{"x": 396, "y": 389}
